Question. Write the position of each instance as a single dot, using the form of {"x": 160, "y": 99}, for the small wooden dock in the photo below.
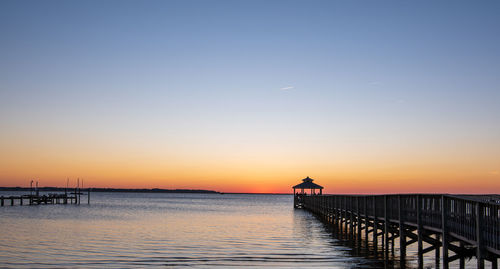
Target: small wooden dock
{"x": 46, "y": 199}
{"x": 460, "y": 226}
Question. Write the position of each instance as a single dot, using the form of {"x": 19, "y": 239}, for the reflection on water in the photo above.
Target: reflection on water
{"x": 137, "y": 230}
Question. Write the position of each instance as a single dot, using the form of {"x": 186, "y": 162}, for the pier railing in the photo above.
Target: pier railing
{"x": 457, "y": 223}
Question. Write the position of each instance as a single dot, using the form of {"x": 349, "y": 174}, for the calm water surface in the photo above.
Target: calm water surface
{"x": 200, "y": 230}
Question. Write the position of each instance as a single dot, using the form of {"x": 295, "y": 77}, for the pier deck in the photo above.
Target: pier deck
{"x": 461, "y": 226}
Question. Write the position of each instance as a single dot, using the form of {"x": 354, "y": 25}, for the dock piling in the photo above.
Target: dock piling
{"x": 444, "y": 229}
{"x": 420, "y": 233}
{"x": 479, "y": 234}
{"x": 402, "y": 237}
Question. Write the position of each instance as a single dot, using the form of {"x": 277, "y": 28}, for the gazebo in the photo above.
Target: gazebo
{"x": 307, "y": 184}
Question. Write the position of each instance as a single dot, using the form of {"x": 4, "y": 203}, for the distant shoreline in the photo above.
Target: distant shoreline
{"x": 154, "y": 190}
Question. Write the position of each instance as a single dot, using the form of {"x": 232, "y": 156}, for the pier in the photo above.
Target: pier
{"x": 46, "y": 199}
{"x": 460, "y": 226}
{"x": 457, "y": 226}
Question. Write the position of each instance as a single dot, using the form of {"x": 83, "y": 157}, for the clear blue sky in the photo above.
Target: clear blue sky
{"x": 311, "y": 78}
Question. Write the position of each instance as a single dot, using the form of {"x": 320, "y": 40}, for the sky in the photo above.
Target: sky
{"x": 252, "y": 96}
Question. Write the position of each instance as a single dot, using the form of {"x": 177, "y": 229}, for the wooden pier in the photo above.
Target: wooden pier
{"x": 460, "y": 226}
{"x": 47, "y": 199}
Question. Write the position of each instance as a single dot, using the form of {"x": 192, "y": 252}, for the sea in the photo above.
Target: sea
{"x": 138, "y": 230}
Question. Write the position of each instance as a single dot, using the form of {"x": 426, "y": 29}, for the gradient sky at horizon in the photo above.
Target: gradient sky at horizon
{"x": 252, "y": 96}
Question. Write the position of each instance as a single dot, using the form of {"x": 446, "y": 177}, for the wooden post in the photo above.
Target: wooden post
{"x": 420, "y": 233}
{"x": 444, "y": 229}
{"x": 329, "y": 211}
{"x": 339, "y": 216}
{"x": 392, "y": 243}
{"x": 386, "y": 229}
{"x": 351, "y": 222}
{"x": 437, "y": 256}
{"x": 88, "y": 196}
{"x": 402, "y": 236}
{"x": 294, "y": 198}
{"x": 332, "y": 205}
{"x": 339, "y": 212}
{"x": 325, "y": 208}
{"x": 462, "y": 259}
{"x": 367, "y": 221}
{"x": 11, "y": 201}
{"x": 1, "y": 201}
{"x": 344, "y": 212}
{"x": 375, "y": 224}
{"x": 322, "y": 207}
{"x": 334, "y": 208}
{"x": 479, "y": 240}
{"x": 358, "y": 222}
{"x": 343, "y": 215}
{"x": 346, "y": 219}
{"x": 21, "y": 200}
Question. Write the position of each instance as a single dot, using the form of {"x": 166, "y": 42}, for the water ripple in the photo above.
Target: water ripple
{"x": 157, "y": 230}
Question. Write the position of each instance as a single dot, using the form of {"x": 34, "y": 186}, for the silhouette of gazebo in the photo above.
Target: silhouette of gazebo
{"x": 307, "y": 184}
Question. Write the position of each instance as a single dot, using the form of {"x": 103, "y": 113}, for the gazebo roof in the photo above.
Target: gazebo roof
{"x": 307, "y": 184}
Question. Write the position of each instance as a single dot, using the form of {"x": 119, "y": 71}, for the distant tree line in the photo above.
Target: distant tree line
{"x": 154, "y": 190}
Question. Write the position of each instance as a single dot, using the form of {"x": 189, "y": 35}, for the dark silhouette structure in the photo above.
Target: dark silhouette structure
{"x": 458, "y": 226}
{"x": 307, "y": 184}
{"x": 34, "y": 198}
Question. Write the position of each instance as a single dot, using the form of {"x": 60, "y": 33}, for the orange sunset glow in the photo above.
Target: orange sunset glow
{"x": 247, "y": 169}
{"x": 253, "y": 105}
